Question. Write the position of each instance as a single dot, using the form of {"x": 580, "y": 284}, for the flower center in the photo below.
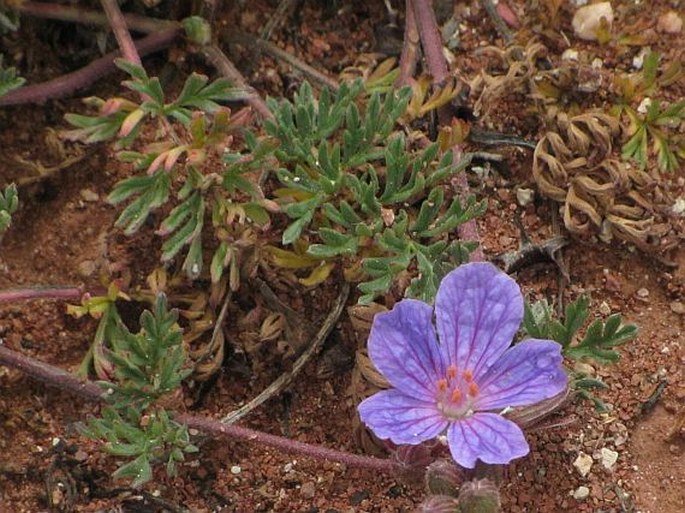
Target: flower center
{"x": 456, "y": 393}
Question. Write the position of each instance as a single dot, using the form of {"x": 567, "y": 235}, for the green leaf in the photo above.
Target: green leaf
{"x": 139, "y": 470}
{"x": 600, "y": 339}
{"x": 153, "y": 191}
{"x": 293, "y": 232}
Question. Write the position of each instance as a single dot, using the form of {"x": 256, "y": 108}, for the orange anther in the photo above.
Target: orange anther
{"x": 456, "y": 395}
{"x": 451, "y": 372}
{"x": 468, "y": 376}
{"x": 473, "y": 389}
{"x": 442, "y": 385}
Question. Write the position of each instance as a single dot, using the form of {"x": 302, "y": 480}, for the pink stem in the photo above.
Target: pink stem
{"x": 88, "y": 390}
{"x": 410, "y": 48}
{"x": 65, "y": 293}
{"x": 437, "y": 66}
{"x": 80, "y": 15}
{"x": 66, "y": 84}
{"x": 118, "y": 24}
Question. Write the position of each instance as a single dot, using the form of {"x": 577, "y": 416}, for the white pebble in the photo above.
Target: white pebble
{"x": 583, "y": 463}
{"x": 235, "y": 470}
{"x": 587, "y": 20}
{"x": 581, "y": 493}
{"x": 609, "y": 458}
{"x": 670, "y": 23}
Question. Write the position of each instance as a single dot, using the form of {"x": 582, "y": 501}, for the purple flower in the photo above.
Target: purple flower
{"x": 460, "y": 383}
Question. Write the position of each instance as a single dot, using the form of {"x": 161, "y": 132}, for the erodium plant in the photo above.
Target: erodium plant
{"x": 192, "y": 133}
{"x": 358, "y": 193}
{"x": 148, "y": 366}
{"x": 9, "y": 203}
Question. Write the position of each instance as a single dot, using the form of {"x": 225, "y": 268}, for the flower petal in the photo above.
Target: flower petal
{"x": 487, "y": 437}
{"x": 478, "y": 310}
{"x": 404, "y": 348}
{"x": 403, "y": 419}
{"x": 525, "y": 374}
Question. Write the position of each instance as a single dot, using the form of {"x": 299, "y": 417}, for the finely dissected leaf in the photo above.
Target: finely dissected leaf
{"x": 9, "y": 202}
{"x": 148, "y": 364}
{"x": 600, "y": 339}
{"x": 9, "y": 79}
{"x": 153, "y": 191}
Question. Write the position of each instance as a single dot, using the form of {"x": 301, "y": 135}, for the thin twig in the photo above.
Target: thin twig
{"x": 410, "y": 47}
{"x": 500, "y": 25}
{"x": 66, "y": 293}
{"x": 66, "y": 84}
{"x": 248, "y": 40}
{"x": 88, "y": 390}
{"x": 224, "y": 66}
{"x": 285, "y": 379}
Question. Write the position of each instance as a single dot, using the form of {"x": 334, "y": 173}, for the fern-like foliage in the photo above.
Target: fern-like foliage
{"x": 351, "y": 181}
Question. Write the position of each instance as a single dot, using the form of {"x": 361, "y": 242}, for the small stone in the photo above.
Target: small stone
{"x": 86, "y": 268}
{"x": 644, "y": 105}
{"x": 525, "y": 196}
{"x": 308, "y": 490}
{"x": 584, "y": 368}
{"x": 235, "y": 470}
{"x": 643, "y": 293}
{"x": 678, "y": 207}
{"x": 581, "y": 493}
{"x": 609, "y": 458}
{"x": 570, "y": 54}
{"x": 89, "y": 195}
{"x": 583, "y": 463}
{"x": 81, "y": 455}
{"x": 670, "y": 23}
{"x": 604, "y": 308}
{"x": 587, "y": 20}
{"x": 288, "y": 467}
{"x": 678, "y": 307}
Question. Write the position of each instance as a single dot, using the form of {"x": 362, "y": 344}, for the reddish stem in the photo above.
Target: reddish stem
{"x": 410, "y": 48}
{"x": 80, "y": 15}
{"x": 54, "y": 376}
{"x": 431, "y": 42}
{"x": 118, "y": 24}
{"x": 66, "y": 293}
{"x": 66, "y": 84}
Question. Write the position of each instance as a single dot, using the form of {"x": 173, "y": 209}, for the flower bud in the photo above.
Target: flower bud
{"x": 479, "y": 496}
{"x": 439, "y": 504}
{"x": 443, "y": 477}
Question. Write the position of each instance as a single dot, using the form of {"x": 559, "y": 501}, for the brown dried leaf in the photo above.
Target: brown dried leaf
{"x": 272, "y": 327}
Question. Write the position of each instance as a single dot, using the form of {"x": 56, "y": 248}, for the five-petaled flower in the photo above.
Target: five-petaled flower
{"x": 457, "y": 382}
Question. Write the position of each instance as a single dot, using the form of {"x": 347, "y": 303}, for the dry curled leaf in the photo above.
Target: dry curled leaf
{"x": 601, "y": 196}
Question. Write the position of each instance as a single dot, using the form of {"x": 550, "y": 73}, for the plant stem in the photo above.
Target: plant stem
{"x": 54, "y": 376}
{"x": 67, "y": 84}
{"x": 67, "y": 293}
{"x": 118, "y": 24}
{"x": 223, "y": 65}
{"x": 431, "y": 42}
{"x": 410, "y": 47}
{"x": 79, "y": 15}
{"x": 232, "y": 431}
